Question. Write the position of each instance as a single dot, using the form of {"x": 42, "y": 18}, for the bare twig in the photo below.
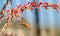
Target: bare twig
{"x": 1, "y": 12}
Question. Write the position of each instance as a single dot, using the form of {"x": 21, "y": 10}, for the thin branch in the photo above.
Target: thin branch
{"x": 2, "y": 10}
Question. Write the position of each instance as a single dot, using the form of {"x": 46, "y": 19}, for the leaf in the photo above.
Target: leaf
{"x": 25, "y": 23}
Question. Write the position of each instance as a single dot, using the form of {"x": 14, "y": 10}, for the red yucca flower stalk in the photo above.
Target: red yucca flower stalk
{"x": 29, "y": 5}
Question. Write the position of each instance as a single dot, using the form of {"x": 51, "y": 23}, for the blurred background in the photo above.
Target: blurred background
{"x": 42, "y": 23}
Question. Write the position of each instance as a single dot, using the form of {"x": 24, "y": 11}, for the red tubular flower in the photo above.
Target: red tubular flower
{"x": 19, "y": 6}
{"x": 55, "y": 6}
{"x": 26, "y": 6}
{"x": 46, "y": 5}
{"x": 40, "y": 3}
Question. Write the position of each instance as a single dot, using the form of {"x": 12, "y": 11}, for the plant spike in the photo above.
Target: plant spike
{"x": 19, "y": 9}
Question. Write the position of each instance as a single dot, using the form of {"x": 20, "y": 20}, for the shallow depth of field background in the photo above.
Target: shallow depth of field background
{"x": 47, "y": 25}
